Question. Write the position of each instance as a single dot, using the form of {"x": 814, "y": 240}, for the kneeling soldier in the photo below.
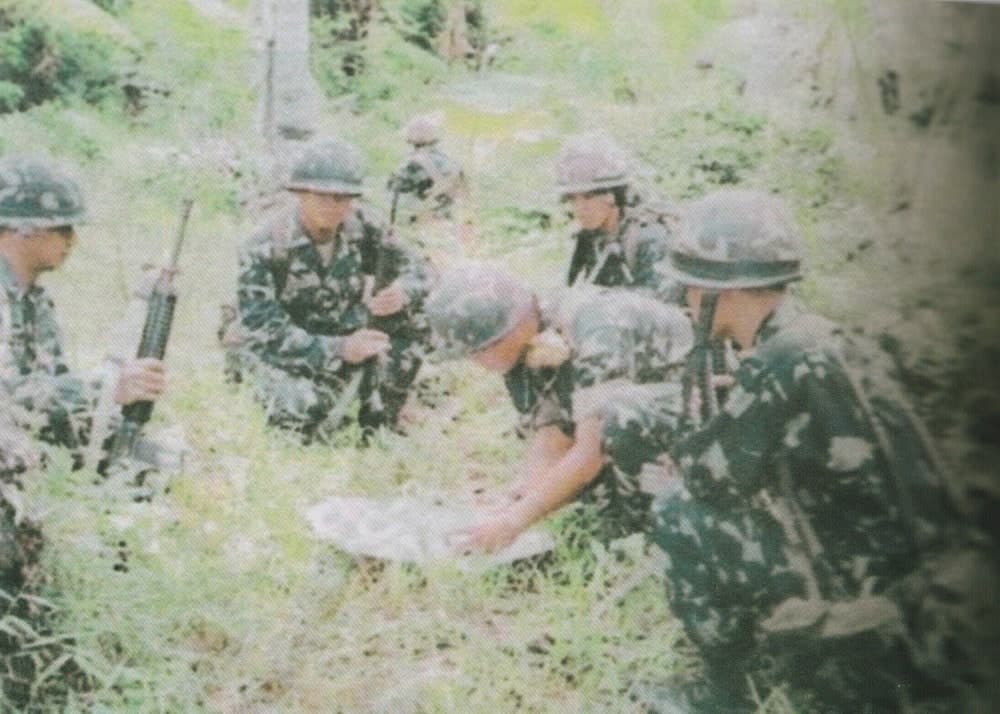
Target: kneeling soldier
{"x": 39, "y": 207}
{"x": 556, "y": 361}
{"x": 807, "y": 500}
{"x": 324, "y": 298}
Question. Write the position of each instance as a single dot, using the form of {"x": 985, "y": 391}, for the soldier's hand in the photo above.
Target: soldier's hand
{"x": 140, "y": 380}
{"x": 488, "y": 536}
{"x": 364, "y": 343}
{"x": 387, "y": 301}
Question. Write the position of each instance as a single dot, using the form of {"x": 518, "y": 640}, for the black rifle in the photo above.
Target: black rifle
{"x": 155, "y": 333}
{"x": 701, "y": 365}
{"x": 382, "y": 267}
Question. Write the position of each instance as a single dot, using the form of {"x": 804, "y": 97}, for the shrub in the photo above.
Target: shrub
{"x": 40, "y": 63}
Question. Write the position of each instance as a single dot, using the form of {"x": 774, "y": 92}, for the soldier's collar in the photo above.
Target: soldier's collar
{"x": 8, "y": 281}
{"x": 787, "y": 310}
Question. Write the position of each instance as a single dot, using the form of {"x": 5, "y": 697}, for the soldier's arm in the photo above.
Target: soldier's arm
{"x": 550, "y": 488}
{"x": 269, "y": 330}
{"x": 547, "y": 446}
{"x": 57, "y": 401}
{"x": 413, "y": 273}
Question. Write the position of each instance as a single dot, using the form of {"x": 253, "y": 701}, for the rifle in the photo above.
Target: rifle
{"x": 701, "y": 366}
{"x": 153, "y": 343}
{"x": 366, "y": 380}
{"x": 384, "y": 268}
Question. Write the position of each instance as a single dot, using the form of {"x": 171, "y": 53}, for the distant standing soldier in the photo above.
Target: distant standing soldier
{"x": 806, "y": 501}
{"x": 622, "y": 238}
{"x": 39, "y": 208}
{"x": 562, "y": 364}
{"x": 308, "y": 299}
{"x": 430, "y": 181}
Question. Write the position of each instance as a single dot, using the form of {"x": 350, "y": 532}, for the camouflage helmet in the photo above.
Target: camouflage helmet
{"x": 423, "y": 129}
{"x": 34, "y": 194}
{"x": 328, "y": 166}
{"x": 736, "y": 239}
{"x": 590, "y": 162}
{"x": 474, "y": 306}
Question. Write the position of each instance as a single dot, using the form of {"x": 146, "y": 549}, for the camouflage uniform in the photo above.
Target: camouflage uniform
{"x": 428, "y": 175}
{"x": 609, "y": 340}
{"x": 803, "y": 500}
{"x": 294, "y": 334}
{"x": 54, "y": 403}
{"x": 593, "y": 163}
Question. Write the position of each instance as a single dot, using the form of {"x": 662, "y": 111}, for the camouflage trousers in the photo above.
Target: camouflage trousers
{"x": 316, "y": 407}
{"x": 639, "y": 422}
{"x": 746, "y": 611}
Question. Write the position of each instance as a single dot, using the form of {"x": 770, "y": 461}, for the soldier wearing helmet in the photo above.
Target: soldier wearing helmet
{"x": 621, "y": 238}
{"x": 40, "y": 207}
{"x": 561, "y": 363}
{"x": 307, "y": 297}
{"x": 794, "y": 520}
{"x": 429, "y": 181}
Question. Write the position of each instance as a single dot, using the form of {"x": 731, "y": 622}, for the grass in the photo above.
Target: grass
{"x": 215, "y": 597}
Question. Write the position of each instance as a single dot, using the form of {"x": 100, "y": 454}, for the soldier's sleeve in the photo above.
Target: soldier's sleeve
{"x": 639, "y": 422}
{"x": 603, "y": 355}
{"x": 269, "y": 330}
{"x": 56, "y": 403}
{"x": 652, "y": 253}
{"x": 413, "y": 273}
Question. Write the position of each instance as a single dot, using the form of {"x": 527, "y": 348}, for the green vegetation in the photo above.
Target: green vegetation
{"x": 215, "y": 597}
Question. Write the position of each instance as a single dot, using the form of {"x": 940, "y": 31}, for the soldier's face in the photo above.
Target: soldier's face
{"x": 593, "y": 210}
{"x": 502, "y": 355}
{"x": 50, "y": 247}
{"x": 324, "y": 212}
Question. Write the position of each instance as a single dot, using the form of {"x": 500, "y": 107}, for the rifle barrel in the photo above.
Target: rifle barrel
{"x": 175, "y": 255}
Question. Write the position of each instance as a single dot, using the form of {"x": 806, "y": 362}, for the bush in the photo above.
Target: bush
{"x": 40, "y": 63}
{"x": 423, "y": 21}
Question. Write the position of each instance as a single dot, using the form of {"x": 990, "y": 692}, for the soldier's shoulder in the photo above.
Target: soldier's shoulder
{"x": 275, "y": 227}
{"x": 798, "y": 334}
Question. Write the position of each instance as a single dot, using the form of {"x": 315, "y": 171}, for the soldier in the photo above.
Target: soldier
{"x": 806, "y": 500}
{"x": 561, "y": 364}
{"x": 621, "y": 239}
{"x": 313, "y": 284}
{"x": 39, "y": 207}
{"x": 428, "y": 174}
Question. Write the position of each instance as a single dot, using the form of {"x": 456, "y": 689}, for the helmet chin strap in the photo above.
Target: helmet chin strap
{"x": 700, "y": 400}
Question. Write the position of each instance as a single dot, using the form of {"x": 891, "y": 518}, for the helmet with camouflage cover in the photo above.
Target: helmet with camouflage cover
{"x": 423, "y": 129}
{"x": 328, "y": 166}
{"x": 736, "y": 239}
{"x": 34, "y": 194}
{"x": 590, "y": 162}
{"x": 474, "y": 306}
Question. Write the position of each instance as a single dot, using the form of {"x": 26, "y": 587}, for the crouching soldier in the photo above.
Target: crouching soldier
{"x": 431, "y": 179}
{"x": 621, "y": 238}
{"x": 39, "y": 209}
{"x": 589, "y": 342}
{"x": 808, "y": 503}
{"x": 329, "y": 305}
